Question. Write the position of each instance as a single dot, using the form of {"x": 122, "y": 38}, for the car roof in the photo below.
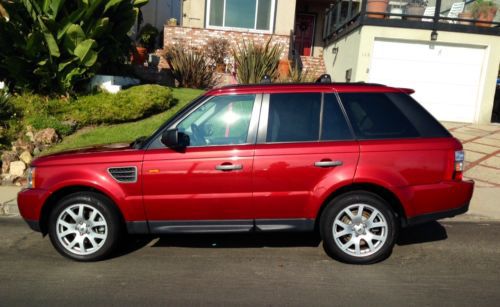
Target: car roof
{"x": 305, "y": 88}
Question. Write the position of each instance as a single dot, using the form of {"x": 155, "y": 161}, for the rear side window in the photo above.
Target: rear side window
{"x": 389, "y": 116}
{"x": 294, "y": 117}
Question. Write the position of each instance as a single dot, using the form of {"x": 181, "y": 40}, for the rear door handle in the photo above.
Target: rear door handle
{"x": 229, "y": 167}
{"x": 328, "y": 163}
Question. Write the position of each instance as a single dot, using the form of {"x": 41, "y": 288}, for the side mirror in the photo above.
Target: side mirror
{"x": 174, "y": 139}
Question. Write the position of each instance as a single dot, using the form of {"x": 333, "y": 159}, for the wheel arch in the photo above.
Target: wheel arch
{"x": 380, "y": 191}
{"x": 59, "y": 194}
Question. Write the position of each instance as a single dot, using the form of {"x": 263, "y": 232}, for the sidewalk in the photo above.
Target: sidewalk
{"x": 482, "y": 164}
{"x": 8, "y": 200}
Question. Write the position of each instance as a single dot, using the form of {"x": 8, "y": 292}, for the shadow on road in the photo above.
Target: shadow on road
{"x": 428, "y": 232}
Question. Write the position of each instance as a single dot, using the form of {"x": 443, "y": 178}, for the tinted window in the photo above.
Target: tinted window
{"x": 376, "y": 116}
{"x": 223, "y": 120}
{"x": 294, "y": 117}
{"x": 334, "y": 125}
{"x": 423, "y": 121}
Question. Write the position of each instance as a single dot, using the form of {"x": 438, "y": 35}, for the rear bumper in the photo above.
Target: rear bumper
{"x": 449, "y": 200}
{"x": 437, "y": 215}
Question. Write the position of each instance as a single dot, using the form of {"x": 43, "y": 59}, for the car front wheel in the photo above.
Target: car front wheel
{"x": 358, "y": 227}
{"x": 84, "y": 226}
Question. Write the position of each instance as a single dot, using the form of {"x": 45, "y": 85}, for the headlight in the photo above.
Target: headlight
{"x": 31, "y": 177}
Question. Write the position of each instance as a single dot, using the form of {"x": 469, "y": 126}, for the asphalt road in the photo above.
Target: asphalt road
{"x": 445, "y": 264}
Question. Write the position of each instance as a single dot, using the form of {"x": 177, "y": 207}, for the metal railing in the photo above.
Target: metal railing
{"x": 344, "y": 16}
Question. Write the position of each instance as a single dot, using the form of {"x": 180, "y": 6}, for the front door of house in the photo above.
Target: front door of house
{"x": 304, "y": 33}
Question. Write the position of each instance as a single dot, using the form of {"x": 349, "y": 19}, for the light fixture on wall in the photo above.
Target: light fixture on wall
{"x": 335, "y": 50}
{"x": 434, "y": 35}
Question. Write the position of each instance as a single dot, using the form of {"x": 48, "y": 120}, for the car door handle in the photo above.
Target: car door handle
{"x": 229, "y": 167}
{"x": 328, "y": 163}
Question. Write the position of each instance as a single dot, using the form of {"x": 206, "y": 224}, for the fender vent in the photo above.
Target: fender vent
{"x": 124, "y": 174}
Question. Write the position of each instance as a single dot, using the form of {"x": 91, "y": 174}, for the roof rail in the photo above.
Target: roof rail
{"x": 265, "y": 80}
{"x": 325, "y": 78}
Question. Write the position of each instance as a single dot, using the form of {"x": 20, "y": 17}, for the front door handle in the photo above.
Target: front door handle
{"x": 229, "y": 167}
{"x": 328, "y": 163}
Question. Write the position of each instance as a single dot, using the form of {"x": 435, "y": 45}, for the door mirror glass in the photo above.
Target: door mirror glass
{"x": 172, "y": 138}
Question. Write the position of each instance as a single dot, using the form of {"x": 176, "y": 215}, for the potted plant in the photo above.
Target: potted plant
{"x": 465, "y": 15}
{"x": 172, "y": 22}
{"x": 416, "y": 8}
{"x": 484, "y": 10}
{"x": 377, "y": 6}
{"x": 147, "y": 37}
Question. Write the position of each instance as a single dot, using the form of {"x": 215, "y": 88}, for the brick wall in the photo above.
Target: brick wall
{"x": 199, "y": 37}
{"x": 315, "y": 66}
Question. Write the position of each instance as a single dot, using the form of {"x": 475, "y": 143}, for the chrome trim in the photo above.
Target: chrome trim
{"x": 118, "y": 167}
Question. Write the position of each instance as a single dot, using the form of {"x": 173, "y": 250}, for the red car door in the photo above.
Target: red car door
{"x": 211, "y": 179}
{"x": 304, "y": 152}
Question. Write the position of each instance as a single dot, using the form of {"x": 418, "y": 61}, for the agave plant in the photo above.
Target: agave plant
{"x": 50, "y": 45}
{"x": 254, "y": 61}
{"x": 191, "y": 67}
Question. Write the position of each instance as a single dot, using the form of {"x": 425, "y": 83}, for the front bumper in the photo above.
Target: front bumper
{"x": 30, "y": 202}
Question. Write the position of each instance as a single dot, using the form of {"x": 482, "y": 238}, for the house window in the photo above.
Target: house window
{"x": 249, "y": 14}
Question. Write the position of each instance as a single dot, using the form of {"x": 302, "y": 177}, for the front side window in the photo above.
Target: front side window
{"x": 248, "y": 14}
{"x": 223, "y": 120}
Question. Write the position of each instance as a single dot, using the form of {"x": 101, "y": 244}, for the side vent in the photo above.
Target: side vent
{"x": 126, "y": 174}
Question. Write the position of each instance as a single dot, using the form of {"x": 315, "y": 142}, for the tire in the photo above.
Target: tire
{"x": 358, "y": 228}
{"x": 85, "y": 226}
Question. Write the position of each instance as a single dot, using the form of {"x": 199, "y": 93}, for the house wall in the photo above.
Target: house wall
{"x": 355, "y": 52}
{"x": 347, "y": 57}
{"x": 194, "y": 15}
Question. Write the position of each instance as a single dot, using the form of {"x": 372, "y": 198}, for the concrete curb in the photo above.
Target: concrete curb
{"x": 9, "y": 208}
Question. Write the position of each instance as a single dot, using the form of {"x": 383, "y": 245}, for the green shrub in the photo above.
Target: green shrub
{"x": 52, "y": 45}
{"x": 6, "y": 113}
{"x": 191, "y": 67}
{"x": 254, "y": 61}
{"x": 125, "y": 106}
{"x": 66, "y": 115}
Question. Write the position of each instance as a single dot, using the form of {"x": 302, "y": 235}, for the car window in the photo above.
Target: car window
{"x": 334, "y": 126}
{"x": 375, "y": 116}
{"x": 294, "y": 117}
{"x": 223, "y": 120}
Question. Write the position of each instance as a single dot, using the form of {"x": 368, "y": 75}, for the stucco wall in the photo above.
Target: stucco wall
{"x": 355, "y": 52}
{"x": 347, "y": 56}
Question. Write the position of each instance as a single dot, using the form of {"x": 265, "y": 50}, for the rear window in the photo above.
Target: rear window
{"x": 389, "y": 116}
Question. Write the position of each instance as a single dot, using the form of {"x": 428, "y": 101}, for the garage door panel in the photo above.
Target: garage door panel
{"x": 446, "y": 78}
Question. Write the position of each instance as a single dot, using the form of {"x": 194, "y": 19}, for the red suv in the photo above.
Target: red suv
{"x": 354, "y": 161}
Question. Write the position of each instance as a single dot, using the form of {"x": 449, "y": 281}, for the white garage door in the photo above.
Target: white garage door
{"x": 446, "y": 78}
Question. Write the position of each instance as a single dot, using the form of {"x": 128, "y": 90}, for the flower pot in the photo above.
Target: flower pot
{"x": 486, "y": 16}
{"x": 139, "y": 56}
{"x": 284, "y": 68}
{"x": 220, "y": 68}
{"x": 465, "y": 15}
{"x": 375, "y": 6}
{"x": 172, "y": 22}
{"x": 415, "y": 10}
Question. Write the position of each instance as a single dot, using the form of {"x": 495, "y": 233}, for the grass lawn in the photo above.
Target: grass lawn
{"x": 127, "y": 132}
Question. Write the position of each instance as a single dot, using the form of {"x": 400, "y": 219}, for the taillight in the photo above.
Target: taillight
{"x": 458, "y": 167}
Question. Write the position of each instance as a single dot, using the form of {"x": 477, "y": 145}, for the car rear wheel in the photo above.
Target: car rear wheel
{"x": 358, "y": 227}
{"x": 84, "y": 226}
